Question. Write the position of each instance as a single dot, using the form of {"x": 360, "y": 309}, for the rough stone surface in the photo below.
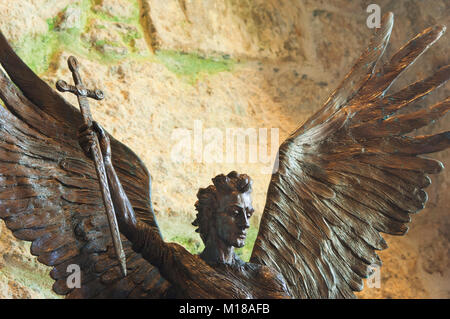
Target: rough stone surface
{"x": 255, "y": 29}
{"x": 114, "y": 8}
{"x": 21, "y": 18}
{"x": 286, "y": 56}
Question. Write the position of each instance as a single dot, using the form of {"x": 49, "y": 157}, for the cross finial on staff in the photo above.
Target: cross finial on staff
{"x": 79, "y": 90}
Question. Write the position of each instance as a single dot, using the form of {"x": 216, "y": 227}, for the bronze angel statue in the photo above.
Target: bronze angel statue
{"x": 349, "y": 173}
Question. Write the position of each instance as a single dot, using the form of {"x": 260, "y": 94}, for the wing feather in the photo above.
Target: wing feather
{"x": 358, "y": 75}
{"x": 350, "y": 173}
{"x": 50, "y": 195}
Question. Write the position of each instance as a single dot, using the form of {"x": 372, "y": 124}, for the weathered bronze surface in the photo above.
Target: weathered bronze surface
{"x": 345, "y": 176}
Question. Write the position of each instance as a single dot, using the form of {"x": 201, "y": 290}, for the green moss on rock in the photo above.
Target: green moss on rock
{"x": 28, "y": 275}
{"x": 38, "y": 51}
{"x": 192, "y": 66}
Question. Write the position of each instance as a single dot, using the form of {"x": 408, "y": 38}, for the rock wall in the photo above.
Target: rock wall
{"x": 180, "y": 64}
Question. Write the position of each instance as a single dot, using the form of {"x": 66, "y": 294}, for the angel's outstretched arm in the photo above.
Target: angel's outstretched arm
{"x": 145, "y": 239}
{"x": 183, "y": 270}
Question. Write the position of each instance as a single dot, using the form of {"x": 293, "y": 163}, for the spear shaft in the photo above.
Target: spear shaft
{"x": 82, "y": 95}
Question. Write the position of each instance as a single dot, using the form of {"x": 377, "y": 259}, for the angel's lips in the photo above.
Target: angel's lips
{"x": 241, "y": 235}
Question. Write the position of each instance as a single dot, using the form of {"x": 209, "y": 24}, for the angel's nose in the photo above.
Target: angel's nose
{"x": 244, "y": 221}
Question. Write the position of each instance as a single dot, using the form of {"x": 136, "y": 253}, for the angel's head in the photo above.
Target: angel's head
{"x": 224, "y": 209}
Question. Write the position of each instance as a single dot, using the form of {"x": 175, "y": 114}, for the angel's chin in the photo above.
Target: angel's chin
{"x": 239, "y": 243}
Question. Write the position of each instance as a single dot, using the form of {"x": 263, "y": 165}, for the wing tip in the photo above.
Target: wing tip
{"x": 386, "y": 25}
{"x": 387, "y": 21}
{"x": 388, "y": 17}
{"x": 441, "y": 28}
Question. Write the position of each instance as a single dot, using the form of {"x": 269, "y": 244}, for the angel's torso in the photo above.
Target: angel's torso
{"x": 261, "y": 281}
{"x": 243, "y": 280}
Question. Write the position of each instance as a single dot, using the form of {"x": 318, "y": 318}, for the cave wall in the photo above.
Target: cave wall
{"x": 166, "y": 65}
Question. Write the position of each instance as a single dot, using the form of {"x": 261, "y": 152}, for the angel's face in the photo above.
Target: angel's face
{"x": 232, "y": 218}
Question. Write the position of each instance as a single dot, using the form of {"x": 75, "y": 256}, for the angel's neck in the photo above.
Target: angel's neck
{"x": 218, "y": 252}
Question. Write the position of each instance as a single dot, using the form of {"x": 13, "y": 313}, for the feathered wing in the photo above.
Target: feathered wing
{"x": 50, "y": 195}
{"x": 349, "y": 173}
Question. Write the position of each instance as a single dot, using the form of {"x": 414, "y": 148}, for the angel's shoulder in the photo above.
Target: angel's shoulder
{"x": 272, "y": 281}
{"x": 265, "y": 272}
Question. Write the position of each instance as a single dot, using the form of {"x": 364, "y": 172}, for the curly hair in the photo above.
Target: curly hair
{"x": 207, "y": 202}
